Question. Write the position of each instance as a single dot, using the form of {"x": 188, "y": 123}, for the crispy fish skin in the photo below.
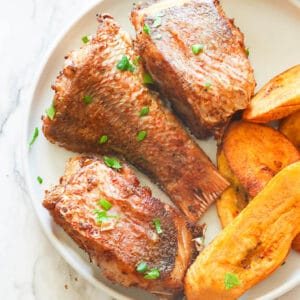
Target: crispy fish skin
{"x": 117, "y": 246}
{"x": 167, "y": 153}
{"x": 205, "y": 88}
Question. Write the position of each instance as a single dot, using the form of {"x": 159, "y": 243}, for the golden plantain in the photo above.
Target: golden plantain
{"x": 290, "y": 127}
{"x": 234, "y": 199}
{"x": 253, "y": 246}
{"x": 252, "y": 156}
{"x": 255, "y": 153}
{"x": 277, "y": 99}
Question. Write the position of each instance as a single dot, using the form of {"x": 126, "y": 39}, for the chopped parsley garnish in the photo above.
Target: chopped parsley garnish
{"x": 147, "y": 29}
{"x": 156, "y": 223}
{"x": 144, "y": 111}
{"x": 231, "y": 281}
{"x": 207, "y": 85}
{"x": 34, "y": 137}
{"x": 102, "y": 216}
{"x": 131, "y": 68}
{"x": 51, "y": 111}
{"x": 39, "y": 179}
{"x": 112, "y": 162}
{"x": 152, "y": 274}
{"x": 156, "y": 22}
{"x": 136, "y": 60}
{"x": 124, "y": 64}
{"x": 87, "y": 99}
{"x": 103, "y": 139}
{"x": 247, "y": 51}
{"x": 106, "y": 205}
{"x": 85, "y": 39}
{"x": 147, "y": 78}
{"x": 141, "y": 135}
{"x": 149, "y": 274}
{"x": 142, "y": 267}
{"x": 197, "y": 48}
{"x": 200, "y": 240}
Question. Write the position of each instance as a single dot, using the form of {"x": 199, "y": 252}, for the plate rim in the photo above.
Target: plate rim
{"x": 295, "y": 2}
{"x": 284, "y": 288}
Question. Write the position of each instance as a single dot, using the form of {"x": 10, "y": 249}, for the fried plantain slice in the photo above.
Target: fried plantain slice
{"x": 234, "y": 199}
{"x": 253, "y": 246}
{"x": 290, "y": 127}
{"x": 255, "y": 153}
{"x": 276, "y": 99}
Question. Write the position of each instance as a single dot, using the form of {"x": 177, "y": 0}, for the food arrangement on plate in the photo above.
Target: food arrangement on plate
{"x": 110, "y": 102}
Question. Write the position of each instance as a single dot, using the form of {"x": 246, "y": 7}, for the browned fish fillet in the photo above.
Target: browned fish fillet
{"x": 117, "y": 99}
{"x": 127, "y": 235}
{"x": 206, "y": 84}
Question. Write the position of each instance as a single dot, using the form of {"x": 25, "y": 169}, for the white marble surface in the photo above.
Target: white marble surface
{"x": 30, "y": 268}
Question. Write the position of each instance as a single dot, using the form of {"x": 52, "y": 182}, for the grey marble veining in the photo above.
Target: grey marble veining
{"x": 30, "y": 267}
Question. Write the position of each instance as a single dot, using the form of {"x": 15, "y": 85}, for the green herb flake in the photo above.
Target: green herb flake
{"x": 157, "y": 22}
{"x": 124, "y": 64}
{"x": 131, "y": 68}
{"x": 147, "y": 78}
{"x": 112, "y": 162}
{"x": 39, "y": 179}
{"x": 34, "y": 137}
{"x": 197, "y": 48}
{"x": 247, "y": 51}
{"x": 207, "y": 85}
{"x": 141, "y": 135}
{"x": 156, "y": 223}
{"x": 106, "y": 205}
{"x": 142, "y": 267}
{"x": 102, "y": 216}
{"x": 136, "y": 60}
{"x": 147, "y": 29}
{"x": 103, "y": 139}
{"x": 231, "y": 281}
{"x": 51, "y": 111}
{"x": 201, "y": 240}
{"x": 85, "y": 39}
{"x": 152, "y": 274}
{"x": 144, "y": 111}
{"x": 87, "y": 99}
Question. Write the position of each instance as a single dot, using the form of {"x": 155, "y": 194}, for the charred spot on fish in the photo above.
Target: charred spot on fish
{"x": 101, "y": 17}
{"x": 198, "y": 191}
{"x": 192, "y": 209}
{"x": 268, "y": 170}
{"x": 278, "y": 164}
{"x": 64, "y": 210}
{"x": 245, "y": 264}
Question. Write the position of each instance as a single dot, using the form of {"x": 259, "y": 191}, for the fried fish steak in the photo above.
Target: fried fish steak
{"x": 198, "y": 58}
{"x": 126, "y": 235}
{"x": 103, "y": 106}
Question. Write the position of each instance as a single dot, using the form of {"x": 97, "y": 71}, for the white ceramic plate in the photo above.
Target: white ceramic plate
{"x": 296, "y": 2}
{"x": 272, "y": 30}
